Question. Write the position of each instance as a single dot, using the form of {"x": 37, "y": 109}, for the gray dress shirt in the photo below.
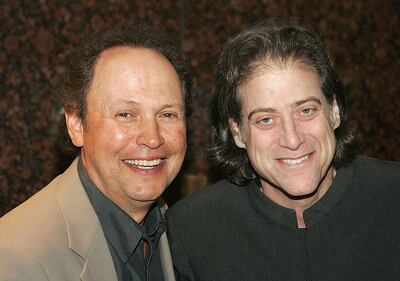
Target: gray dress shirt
{"x": 126, "y": 237}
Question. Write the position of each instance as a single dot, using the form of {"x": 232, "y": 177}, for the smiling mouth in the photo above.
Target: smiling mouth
{"x": 295, "y": 161}
{"x": 143, "y": 164}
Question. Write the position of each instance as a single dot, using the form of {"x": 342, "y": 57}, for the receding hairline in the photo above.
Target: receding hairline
{"x": 102, "y": 61}
{"x": 268, "y": 62}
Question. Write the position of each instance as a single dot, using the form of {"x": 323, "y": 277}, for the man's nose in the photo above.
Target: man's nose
{"x": 149, "y": 134}
{"x": 291, "y": 135}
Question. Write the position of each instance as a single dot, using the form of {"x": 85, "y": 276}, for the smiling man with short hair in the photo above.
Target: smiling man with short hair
{"x": 126, "y": 97}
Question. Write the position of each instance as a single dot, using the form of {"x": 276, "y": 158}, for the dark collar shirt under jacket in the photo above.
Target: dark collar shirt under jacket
{"x": 235, "y": 233}
{"x": 125, "y": 237}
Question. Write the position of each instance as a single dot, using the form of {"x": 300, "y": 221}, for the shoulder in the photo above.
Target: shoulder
{"x": 375, "y": 182}
{"x": 19, "y": 265}
{"x": 215, "y": 201}
{"x": 371, "y": 170}
{"x": 51, "y": 232}
{"x": 30, "y": 216}
{"x": 208, "y": 198}
{"x": 198, "y": 217}
{"x": 39, "y": 219}
{"x": 30, "y": 234}
{"x": 34, "y": 223}
{"x": 370, "y": 162}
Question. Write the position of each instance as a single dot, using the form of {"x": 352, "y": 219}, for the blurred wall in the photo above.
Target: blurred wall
{"x": 36, "y": 36}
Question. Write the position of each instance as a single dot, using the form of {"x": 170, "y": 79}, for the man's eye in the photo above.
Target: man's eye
{"x": 265, "y": 120}
{"x": 308, "y": 111}
{"x": 169, "y": 115}
{"x": 124, "y": 114}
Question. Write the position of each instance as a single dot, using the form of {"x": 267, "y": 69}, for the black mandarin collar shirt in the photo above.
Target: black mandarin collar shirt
{"x": 126, "y": 237}
{"x": 312, "y": 215}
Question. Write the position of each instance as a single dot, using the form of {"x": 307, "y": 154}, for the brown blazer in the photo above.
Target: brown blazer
{"x": 56, "y": 235}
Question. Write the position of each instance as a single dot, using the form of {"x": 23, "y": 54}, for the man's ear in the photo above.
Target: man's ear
{"x": 75, "y": 128}
{"x": 335, "y": 115}
{"x": 237, "y": 134}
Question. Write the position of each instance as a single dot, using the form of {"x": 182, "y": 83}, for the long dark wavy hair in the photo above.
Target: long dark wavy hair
{"x": 275, "y": 40}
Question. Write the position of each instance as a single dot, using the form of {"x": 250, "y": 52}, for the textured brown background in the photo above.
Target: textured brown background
{"x": 36, "y": 36}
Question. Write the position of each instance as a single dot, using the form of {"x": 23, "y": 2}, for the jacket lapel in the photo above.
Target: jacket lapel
{"x": 165, "y": 253}
{"x": 85, "y": 236}
{"x": 166, "y": 260}
{"x": 99, "y": 265}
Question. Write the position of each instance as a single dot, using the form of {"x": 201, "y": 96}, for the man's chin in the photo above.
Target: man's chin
{"x": 296, "y": 191}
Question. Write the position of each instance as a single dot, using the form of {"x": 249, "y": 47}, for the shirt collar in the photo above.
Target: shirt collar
{"x": 312, "y": 215}
{"x": 122, "y": 232}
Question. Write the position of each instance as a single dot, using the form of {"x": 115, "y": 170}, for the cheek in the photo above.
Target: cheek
{"x": 174, "y": 136}
{"x": 321, "y": 129}
{"x": 177, "y": 137}
{"x": 115, "y": 138}
{"x": 121, "y": 135}
{"x": 331, "y": 140}
{"x": 328, "y": 142}
{"x": 259, "y": 140}
{"x": 259, "y": 150}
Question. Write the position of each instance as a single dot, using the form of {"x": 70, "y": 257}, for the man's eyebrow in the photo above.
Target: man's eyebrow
{"x": 261, "y": 109}
{"x": 300, "y": 102}
{"x": 272, "y": 110}
{"x": 126, "y": 102}
{"x": 172, "y": 105}
{"x": 137, "y": 104}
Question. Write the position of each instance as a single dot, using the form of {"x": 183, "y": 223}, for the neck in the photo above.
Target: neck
{"x": 138, "y": 211}
{"x": 299, "y": 203}
{"x": 300, "y": 220}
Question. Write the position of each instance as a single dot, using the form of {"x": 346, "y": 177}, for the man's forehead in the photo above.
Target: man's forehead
{"x": 272, "y": 89}
{"x": 269, "y": 63}
{"x": 115, "y": 55}
{"x": 138, "y": 102}
{"x": 120, "y": 63}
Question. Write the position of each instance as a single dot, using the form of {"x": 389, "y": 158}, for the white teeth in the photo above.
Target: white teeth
{"x": 295, "y": 161}
{"x": 143, "y": 164}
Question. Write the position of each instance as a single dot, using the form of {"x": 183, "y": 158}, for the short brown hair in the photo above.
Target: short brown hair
{"x": 82, "y": 62}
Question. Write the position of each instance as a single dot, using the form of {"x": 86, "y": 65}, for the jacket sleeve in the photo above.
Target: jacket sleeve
{"x": 17, "y": 265}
